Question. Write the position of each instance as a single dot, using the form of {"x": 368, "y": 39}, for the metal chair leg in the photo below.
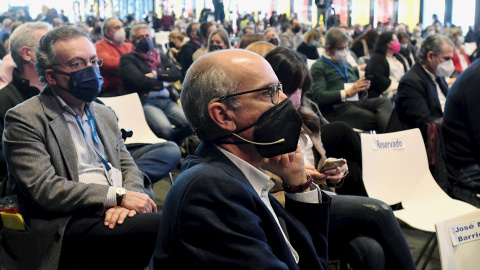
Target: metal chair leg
{"x": 424, "y": 248}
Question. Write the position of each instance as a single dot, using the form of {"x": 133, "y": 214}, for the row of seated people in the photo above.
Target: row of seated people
{"x": 82, "y": 210}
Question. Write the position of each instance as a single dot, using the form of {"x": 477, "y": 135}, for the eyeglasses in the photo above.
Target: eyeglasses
{"x": 83, "y": 64}
{"x": 273, "y": 91}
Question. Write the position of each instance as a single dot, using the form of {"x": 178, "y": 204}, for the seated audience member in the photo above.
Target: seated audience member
{"x": 310, "y": 44}
{"x": 261, "y": 47}
{"x": 110, "y": 49}
{"x": 176, "y": 41}
{"x": 247, "y": 30}
{"x": 423, "y": 90}
{"x": 374, "y": 239}
{"x": 340, "y": 94}
{"x": 461, "y": 131}
{"x": 206, "y": 28}
{"x": 407, "y": 49}
{"x": 364, "y": 44}
{"x": 292, "y": 37}
{"x": 386, "y": 66}
{"x": 145, "y": 71}
{"x": 460, "y": 58}
{"x": 96, "y": 32}
{"x": 249, "y": 39}
{"x": 188, "y": 49}
{"x": 417, "y": 38}
{"x": 6, "y": 69}
{"x": 271, "y": 36}
{"x": 79, "y": 191}
{"x": 25, "y": 81}
{"x": 218, "y": 40}
{"x": 224, "y": 176}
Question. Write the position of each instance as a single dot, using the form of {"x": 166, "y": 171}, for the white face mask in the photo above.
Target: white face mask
{"x": 261, "y": 28}
{"x": 341, "y": 55}
{"x": 445, "y": 69}
{"x": 430, "y": 33}
{"x": 120, "y": 35}
{"x": 460, "y": 40}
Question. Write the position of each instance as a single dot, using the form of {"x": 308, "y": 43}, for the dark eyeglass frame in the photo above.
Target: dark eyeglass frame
{"x": 274, "y": 93}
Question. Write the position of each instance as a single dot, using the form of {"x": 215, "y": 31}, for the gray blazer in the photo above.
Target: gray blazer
{"x": 42, "y": 165}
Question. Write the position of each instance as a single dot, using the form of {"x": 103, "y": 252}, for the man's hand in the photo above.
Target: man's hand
{"x": 333, "y": 176}
{"x": 150, "y": 75}
{"x": 139, "y": 202}
{"x": 359, "y": 86}
{"x": 116, "y": 215}
{"x": 289, "y": 167}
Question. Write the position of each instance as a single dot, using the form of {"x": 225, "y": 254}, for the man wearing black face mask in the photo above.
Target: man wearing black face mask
{"x": 219, "y": 209}
{"x": 271, "y": 35}
{"x": 80, "y": 193}
{"x": 96, "y": 33}
{"x": 292, "y": 37}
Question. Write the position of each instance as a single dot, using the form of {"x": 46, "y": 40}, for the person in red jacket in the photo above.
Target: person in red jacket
{"x": 110, "y": 49}
{"x": 460, "y": 58}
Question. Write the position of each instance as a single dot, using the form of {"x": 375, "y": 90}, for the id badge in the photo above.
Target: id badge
{"x": 116, "y": 176}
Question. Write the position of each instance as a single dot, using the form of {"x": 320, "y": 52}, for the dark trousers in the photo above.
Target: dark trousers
{"x": 89, "y": 244}
{"x": 365, "y": 233}
{"x": 340, "y": 141}
{"x": 367, "y": 114}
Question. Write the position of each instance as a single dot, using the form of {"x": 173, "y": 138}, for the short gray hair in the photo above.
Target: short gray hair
{"x": 24, "y": 35}
{"x": 334, "y": 37}
{"x": 137, "y": 27}
{"x": 106, "y": 25}
{"x": 435, "y": 44}
{"x": 205, "y": 81}
{"x": 45, "y": 52}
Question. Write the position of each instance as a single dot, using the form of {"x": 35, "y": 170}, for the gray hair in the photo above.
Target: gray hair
{"x": 268, "y": 30}
{"x": 434, "y": 44}
{"x": 106, "y": 25}
{"x": 45, "y": 52}
{"x": 204, "y": 82}
{"x": 334, "y": 37}
{"x": 24, "y": 35}
{"x": 137, "y": 27}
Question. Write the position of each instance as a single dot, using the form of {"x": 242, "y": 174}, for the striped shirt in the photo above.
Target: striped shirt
{"x": 90, "y": 167}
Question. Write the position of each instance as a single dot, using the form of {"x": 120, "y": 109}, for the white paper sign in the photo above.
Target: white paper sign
{"x": 464, "y": 232}
{"x": 397, "y": 143}
{"x": 348, "y": 86}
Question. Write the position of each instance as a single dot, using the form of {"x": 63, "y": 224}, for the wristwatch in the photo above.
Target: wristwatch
{"x": 120, "y": 191}
{"x": 299, "y": 188}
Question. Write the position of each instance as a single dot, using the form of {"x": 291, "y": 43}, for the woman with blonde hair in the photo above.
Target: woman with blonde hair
{"x": 309, "y": 46}
{"x": 249, "y": 39}
{"x": 261, "y": 47}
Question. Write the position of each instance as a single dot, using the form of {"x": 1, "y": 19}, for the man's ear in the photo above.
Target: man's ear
{"x": 430, "y": 55}
{"x": 25, "y": 53}
{"x": 50, "y": 77}
{"x": 222, "y": 116}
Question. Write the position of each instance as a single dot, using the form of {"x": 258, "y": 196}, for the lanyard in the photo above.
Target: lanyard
{"x": 344, "y": 76}
{"x": 91, "y": 123}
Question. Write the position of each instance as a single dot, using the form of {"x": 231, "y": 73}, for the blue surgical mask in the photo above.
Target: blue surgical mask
{"x": 145, "y": 45}
{"x": 84, "y": 84}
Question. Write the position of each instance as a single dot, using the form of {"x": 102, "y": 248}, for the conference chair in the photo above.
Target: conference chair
{"x": 395, "y": 170}
{"x": 459, "y": 241}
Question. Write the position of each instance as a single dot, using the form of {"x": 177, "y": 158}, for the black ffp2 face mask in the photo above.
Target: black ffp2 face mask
{"x": 276, "y": 131}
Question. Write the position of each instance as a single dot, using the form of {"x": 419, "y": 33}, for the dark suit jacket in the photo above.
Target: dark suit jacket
{"x": 133, "y": 70}
{"x": 42, "y": 162}
{"x": 417, "y": 100}
{"x": 214, "y": 219}
{"x": 378, "y": 67}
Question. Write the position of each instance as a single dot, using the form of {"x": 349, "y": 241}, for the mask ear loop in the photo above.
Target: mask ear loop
{"x": 257, "y": 143}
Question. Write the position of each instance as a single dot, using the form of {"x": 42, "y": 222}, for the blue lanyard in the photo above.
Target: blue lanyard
{"x": 91, "y": 123}
{"x": 344, "y": 76}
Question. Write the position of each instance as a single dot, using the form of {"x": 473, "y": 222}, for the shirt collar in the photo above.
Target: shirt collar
{"x": 432, "y": 76}
{"x": 67, "y": 108}
{"x": 257, "y": 178}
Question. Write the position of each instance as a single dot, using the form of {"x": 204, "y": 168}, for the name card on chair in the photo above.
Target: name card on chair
{"x": 397, "y": 143}
{"x": 465, "y": 232}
